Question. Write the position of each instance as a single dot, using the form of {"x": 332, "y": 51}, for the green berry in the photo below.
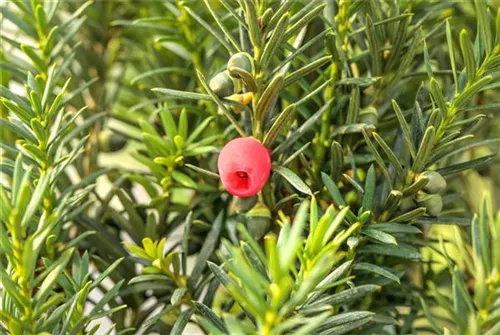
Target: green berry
{"x": 436, "y": 184}
{"x": 222, "y": 84}
{"x": 239, "y": 61}
{"x": 433, "y": 203}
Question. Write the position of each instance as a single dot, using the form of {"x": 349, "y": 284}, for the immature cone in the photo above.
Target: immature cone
{"x": 433, "y": 203}
{"x": 407, "y": 204}
{"x": 244, "y": 166}
{"x": 436, "y": 184}
{"x": 239, "y": 61}
{"x": 222, "y": 84}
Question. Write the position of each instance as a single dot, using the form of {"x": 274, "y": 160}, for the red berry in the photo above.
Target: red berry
{"x": 244, "y": 166}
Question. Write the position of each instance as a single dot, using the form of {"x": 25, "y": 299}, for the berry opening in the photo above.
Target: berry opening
{"x": 244, "y": 166}
{"x": 240, "y": 180}
{"x": 242, "y": 174}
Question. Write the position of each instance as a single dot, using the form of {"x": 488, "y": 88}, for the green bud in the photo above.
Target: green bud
{"x": 433, "y": 203}
{"x": 222, "y": 84}
{"x": 241, "y": 61}
{"x": 436, "y": 184}
{"x": 179, "y": 142}
{"x": 361, "y": 174}
{"x": 243, "y": 205}
{"x": 351, "y": 198}
{"x": 258, "y": 221}
{"x": 111, "y": 142}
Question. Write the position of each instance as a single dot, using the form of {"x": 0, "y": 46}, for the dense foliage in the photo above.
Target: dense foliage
{"x": 378, "y": 217}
